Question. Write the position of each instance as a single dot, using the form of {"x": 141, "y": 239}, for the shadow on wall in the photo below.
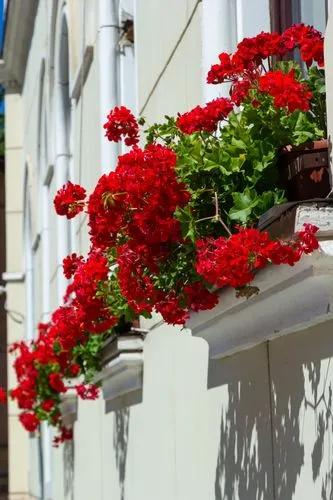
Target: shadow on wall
{"x": 68, "y": 450}
{"x": 321, "y": 405}
{"x": 287, "y": 400}
{"x": 120, "y": 443}
{"x": 302, "y": 377}
{"x": 244, "y": 464}
{"x": 294, "y": 418}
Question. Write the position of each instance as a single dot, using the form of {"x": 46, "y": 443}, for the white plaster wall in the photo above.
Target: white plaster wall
{"x": 302, "y": 378}
{"x": 187, "y": 441}
{"x": 159, "y": 28}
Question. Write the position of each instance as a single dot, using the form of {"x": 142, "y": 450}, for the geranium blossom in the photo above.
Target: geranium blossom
{"x": 205, "y": 118}
{"x": 286, "y": 91}
{"x": 69, "y": 200}
{"x": 70, "y": 264}
{"x": 245, "y": 67}
{"x": 233, "y": 261}
{"x": 122, "y": 123}
{"x": 89, "y": 391}
{"x": 29, "y": 421}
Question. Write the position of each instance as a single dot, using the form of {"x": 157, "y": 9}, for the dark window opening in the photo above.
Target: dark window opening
{"x": 284, "y": 13}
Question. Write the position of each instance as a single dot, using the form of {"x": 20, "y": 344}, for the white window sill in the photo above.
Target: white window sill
{"x": 122, "y": 372}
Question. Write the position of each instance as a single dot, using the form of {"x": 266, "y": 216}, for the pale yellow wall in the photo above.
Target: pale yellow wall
{"x": 18, "y": 439}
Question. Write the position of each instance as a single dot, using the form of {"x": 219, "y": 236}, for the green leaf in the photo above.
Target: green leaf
{"x": 243, "y": 206}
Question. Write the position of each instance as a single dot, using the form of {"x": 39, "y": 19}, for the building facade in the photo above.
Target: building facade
{"x": 261, "y": 427}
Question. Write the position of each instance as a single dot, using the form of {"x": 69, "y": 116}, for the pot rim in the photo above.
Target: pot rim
{"x": 320, "y": 144}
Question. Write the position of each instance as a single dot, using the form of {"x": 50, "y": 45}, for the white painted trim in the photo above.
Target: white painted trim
{"x": 62, "y": 141}
{"x": 122, "y": 375}
{"x": 43, "y": 240}
{"x": 48, "y": 176}
{"x": 108, "y": 34}
{"x": 13, "y": 277}
{"x": 82, "y": 73}
{"x": 36, "y": 242}
{"x": 28, "y": 259}
{"x": 127, "y": 61}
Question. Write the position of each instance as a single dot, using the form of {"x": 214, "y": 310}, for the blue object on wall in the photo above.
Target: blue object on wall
{"x": 2, "y": 23}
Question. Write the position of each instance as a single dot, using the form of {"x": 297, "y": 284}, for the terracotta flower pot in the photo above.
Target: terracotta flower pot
{"x": 304, "y": 171}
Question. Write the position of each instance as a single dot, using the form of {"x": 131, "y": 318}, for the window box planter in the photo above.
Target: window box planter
{"x": 290, "y": 298}
{"x": 122, "y": 369}
{"x": 304, "y": 171}
{"x": 68, "y": 408}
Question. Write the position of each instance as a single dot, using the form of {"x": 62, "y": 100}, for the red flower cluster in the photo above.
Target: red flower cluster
{"x": 122, "y": 123}
{"x": 234, "y": 261}
{"x": 69, "y": 200}
{"x": 244, "y": 68}
{"x": 286, "y": 91}
{"x": 175, "y": 308}
{"x": 87, "y": 391}
{"x": 52, "y": 353}
{"x": 138, "y": 199}
{"x": 198, "y": 298}
{"x": 240, "y": 91}
{"x": 205, "y": 118}
{"x": 47, "y": 405}
{"x": 70, "y": 264}
{"x": 56, "y": 383}
{"x": 309, "y": 41}
{"x": 251, "y": 52}
{"x": 136, "y": 204}
{"x": 29, "y": 421}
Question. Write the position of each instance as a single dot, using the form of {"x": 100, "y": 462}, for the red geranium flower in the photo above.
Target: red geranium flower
{"x": 89, "y": 391}
{"x": 69, "y": 200}
{"x": 47, "y": 405}
{"x": 70, "y": 264}
{"x": 286, "y": 91}
{"x": 122, "y": 123}
{"x": 56, "y": 382}
{"x": 29, "y": 421}
{"x": 205, "y": 118}
{"x": 233, "y": 261}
